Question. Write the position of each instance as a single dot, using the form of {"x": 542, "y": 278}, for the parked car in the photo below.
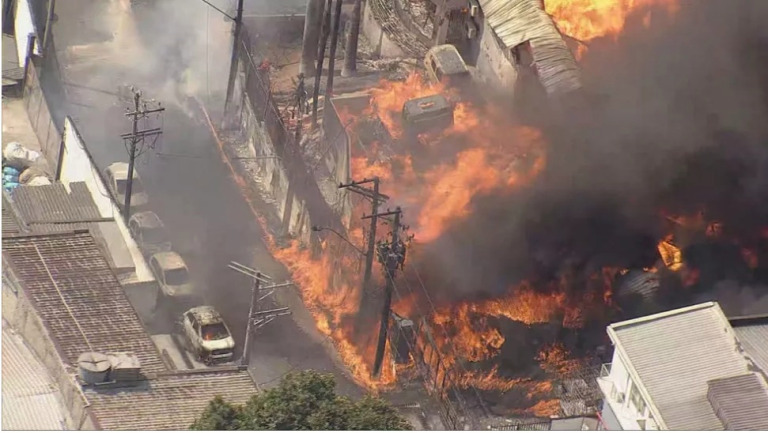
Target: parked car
{"x": 445, "y": 65}
{"x": 207, "y": 334}
{"x": 172, "y": 275}
{"x": 117, "y": 180}
{"x": 149, "y": 233}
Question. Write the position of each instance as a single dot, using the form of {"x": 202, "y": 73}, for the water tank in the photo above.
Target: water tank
{"x": 125, "y": 367}
{"x": 94, "y": 367}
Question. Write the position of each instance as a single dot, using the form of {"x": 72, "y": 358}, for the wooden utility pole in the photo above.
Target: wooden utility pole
{"x": 136, "y": 137}
{"x": 320, "y": 59}
{"x": 257, "y": 317}
{"x": 350, "y": 49}
{"x": 332, "y": 56}
{"x": 233, "y": 61}
{"x": 392, "y": 256}
{"x": 377, "y": 200}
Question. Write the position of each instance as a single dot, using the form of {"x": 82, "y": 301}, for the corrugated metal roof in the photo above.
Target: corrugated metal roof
{"x": 12, "y": 225}
{"x": 519, "y": 21}
{"x": 30, "y": 396}
{"x": 73, "y": 289}
{"x": 754, "y": 339}
{"x": 672, "y": 356}
{"x": 54, "y": 204}
{"x": 740, "y": 402}
{"x": 169, "y": 402}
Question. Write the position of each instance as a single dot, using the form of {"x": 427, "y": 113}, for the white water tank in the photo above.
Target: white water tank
{"x": 94, "y": 367}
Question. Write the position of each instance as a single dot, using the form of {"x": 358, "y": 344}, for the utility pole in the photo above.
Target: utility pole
{"x": 233, "y": 61}
{"x": 350, "y": 49}
{"x": 136, "y": 137}
{"x": 257, "y": 317}
{"x": 332, "y": 55}
{"x": 321, "y": 58}
{"x": 392, "y": 256}
{"x": 377, "y": 199}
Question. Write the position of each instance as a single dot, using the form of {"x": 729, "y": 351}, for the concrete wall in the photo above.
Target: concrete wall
{"x": 620, "y": 381}
{"x": 382, "y": 45}
{"x": 78, "y": 166}
{"x": 493, "y": 61}
{"x": 23, "y": 28}
{"x": 21, "y": 314}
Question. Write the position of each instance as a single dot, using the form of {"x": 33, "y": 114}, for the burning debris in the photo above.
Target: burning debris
{"x": 528, "y": 241}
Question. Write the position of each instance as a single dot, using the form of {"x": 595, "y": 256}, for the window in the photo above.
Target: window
{"x": 176, "y": 277}
{"x": 214, "y": 331}
{"x": 122, "y": 185}
{"x": 637, "y": 400}
{"x": 152, "y": 236}
{"x": 192, "y": 320}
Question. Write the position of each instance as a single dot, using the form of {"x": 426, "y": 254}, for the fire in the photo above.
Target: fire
{"x": 585, "y": 20}
{"x": 670, "y": 254}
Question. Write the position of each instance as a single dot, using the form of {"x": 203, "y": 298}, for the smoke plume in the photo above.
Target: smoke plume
{"x": 676, "y": 122}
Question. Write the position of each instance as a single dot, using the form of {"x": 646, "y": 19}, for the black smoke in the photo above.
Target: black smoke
{"x": 676, "y": 121}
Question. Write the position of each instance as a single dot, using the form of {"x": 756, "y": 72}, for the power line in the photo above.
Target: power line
{"x": 137, "y": 137}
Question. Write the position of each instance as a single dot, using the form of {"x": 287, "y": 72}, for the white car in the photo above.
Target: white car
{"x": 172, "y": 275}
{"x": 117, "y": 180}
{"x": 208, "y": 335}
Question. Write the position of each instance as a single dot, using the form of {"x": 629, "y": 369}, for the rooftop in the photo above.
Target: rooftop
{"x": 76, "y": 294}
{"x": 673, "y": 355}
{"x": 84, "y": 308}
{"x": 30, "y": 400}
{"x": 170, "y": 401}
{"x": 518, "y": 21}
{"x": 55, "y": 208}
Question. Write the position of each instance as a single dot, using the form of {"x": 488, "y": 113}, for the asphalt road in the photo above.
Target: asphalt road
{"x": 192, "y": 191}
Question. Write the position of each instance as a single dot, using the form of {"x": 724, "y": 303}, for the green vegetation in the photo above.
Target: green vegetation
{"x": 302, "y": 401}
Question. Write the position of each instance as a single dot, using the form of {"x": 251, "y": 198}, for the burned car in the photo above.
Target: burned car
{"x": 149, "y": 233}
{"x": 427, "y": 114}
{"x": 207, "y": 334}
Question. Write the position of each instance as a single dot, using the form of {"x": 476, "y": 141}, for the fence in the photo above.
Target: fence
{"x": 38, "y": 110}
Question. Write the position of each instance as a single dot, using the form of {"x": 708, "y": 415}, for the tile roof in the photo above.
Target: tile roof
{"x": 30, "y": 400}
{"x": 171, "y": 401}
{"x": 672, "y": 356}
{"x": 740, "y": 402}
{"x": 69, "y": 281}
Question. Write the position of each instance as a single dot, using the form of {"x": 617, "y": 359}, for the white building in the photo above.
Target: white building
{"x": 687, "y": 369}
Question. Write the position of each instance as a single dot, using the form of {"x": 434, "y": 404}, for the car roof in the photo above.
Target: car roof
{"x": 147, "y": 219}
{"x": 206, "y": 315}
{"x": 120, "y": 170}
{"x": 448, "y": 59}
{"x": 169, "y": 260}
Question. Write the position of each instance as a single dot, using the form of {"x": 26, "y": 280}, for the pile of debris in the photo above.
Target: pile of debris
{"x": 22, "y": 166}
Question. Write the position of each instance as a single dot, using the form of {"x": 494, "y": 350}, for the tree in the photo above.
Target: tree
{"x": 350, "y": 49}
{"x": 302, "y": 401}
{"x": 312, "y": 21}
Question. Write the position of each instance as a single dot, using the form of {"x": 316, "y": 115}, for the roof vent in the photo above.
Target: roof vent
{"x": 94, "y": 367}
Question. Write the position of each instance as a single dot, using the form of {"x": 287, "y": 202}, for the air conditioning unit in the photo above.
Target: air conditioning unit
{"x": 471, "y": 30}
{"x": 474, "y": 8}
